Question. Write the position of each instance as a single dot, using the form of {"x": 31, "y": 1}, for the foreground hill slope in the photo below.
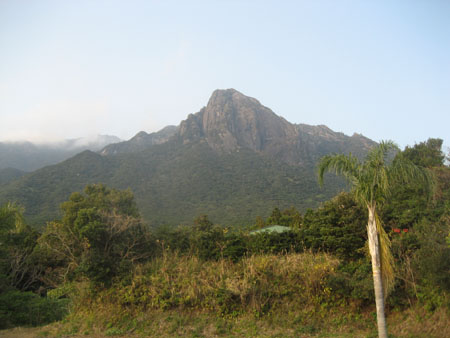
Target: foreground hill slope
{"x": 233, "y": 160}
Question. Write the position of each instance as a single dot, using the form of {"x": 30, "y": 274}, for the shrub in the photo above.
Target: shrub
{"x": 26, "y": 308}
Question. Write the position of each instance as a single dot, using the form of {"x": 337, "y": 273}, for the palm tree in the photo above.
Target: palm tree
{"x": 371, "y": 183}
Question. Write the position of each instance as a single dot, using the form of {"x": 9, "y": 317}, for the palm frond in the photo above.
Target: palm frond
{"x": 340, "y": 164}
{"x": 381, "y": 152}
{"x": 374, "y": 182}
{"x": 404, "y": 171}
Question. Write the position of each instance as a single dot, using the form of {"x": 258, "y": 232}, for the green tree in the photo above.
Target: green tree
{"x": 290, "y": 217}
{"x": 336, "y": 227}
{"x": 408, "y": 204}
{"x": 275, "y": 217}
{"x": 17, "y": 242}
{"x": 100, "y": 235}
{"x": 206, "y": 239}
{"x": 427, "y": 154}
{"x": 371, "y": 182}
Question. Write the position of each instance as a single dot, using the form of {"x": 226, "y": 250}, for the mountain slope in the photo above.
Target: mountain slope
{"x": 41, "y": 191}
{"x": 140, "y": 141}
{"x": 173, "y": 183}
{"x": 181, "y": 182}
{"x": 10, "y": 174}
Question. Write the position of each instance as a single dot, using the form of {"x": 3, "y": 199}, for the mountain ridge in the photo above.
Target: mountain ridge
{"x": 233, "y": 160}
{"x": 231, "y": 121}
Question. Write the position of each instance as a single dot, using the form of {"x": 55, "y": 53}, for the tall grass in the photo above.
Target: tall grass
{"x": 254, "y": 285}
{"x": 259, "y": 296}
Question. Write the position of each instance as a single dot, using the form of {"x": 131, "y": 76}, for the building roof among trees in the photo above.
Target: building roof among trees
{"x": 271, "y": 229}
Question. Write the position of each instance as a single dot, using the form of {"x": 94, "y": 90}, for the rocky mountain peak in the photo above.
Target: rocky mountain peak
{"x": 225, "y": 96}
{"x": 232, "y": 120}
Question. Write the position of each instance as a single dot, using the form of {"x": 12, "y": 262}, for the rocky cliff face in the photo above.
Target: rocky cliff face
{"x": 232, "y": 121}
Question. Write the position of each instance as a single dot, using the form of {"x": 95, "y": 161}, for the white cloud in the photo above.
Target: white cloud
{"x": 54, "y": 121}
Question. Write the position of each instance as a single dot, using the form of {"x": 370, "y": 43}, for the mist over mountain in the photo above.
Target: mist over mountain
{"x": 28, "y": 156}
{"x": 235, "y": 159}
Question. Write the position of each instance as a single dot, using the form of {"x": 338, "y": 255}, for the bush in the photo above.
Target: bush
{"x": 353, "y": 282}
{"x": 28, "y": 309}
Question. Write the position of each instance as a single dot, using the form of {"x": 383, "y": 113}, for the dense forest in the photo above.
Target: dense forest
{"x": 101, "y": 268}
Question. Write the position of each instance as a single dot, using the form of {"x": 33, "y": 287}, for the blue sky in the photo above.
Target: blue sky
{"x": 77, "y": 68}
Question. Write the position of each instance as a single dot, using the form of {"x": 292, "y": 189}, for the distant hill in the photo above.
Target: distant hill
{"x": 233, "y": 160}
{"x": 27, "y": 156}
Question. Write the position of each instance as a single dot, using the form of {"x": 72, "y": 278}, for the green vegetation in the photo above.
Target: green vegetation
{"x": 20, "y": 303}
{"x": 174, "y": 183}
{"x": 104, "y": 271}
{"x": 100, "y": 235}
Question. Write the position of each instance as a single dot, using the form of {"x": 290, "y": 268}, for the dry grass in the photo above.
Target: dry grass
{"x": 260, "y": 296}
{"x": 255, "y": 284}
{"x": 417, "y": 322}
{"x": 281, "y": 323}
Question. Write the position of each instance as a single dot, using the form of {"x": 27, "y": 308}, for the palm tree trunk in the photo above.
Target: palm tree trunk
{"x": 374, "y": 247}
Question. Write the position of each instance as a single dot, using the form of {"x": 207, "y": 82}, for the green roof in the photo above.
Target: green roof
{"x": 271, "y": 229}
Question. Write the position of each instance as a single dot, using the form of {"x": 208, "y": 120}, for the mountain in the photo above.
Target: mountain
{"x": 141, "y": 141}
{"x": 233, "y": 160}
{"x": 232, "y": 121}
{"x": 27, "y": 156}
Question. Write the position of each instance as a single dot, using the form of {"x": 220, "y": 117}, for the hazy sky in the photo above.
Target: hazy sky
{"x": 77, "y": 68}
